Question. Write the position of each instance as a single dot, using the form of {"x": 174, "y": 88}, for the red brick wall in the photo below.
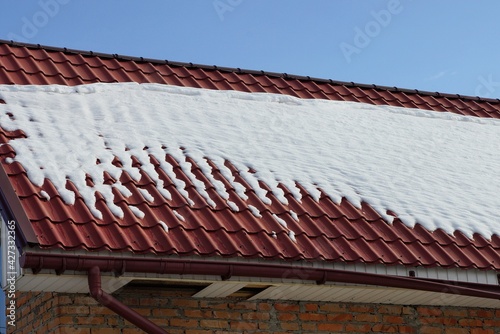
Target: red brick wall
{"x": 178, "y": 313}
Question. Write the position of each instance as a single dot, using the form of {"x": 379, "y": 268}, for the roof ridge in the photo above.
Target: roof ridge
{"x": 248, "y": 71}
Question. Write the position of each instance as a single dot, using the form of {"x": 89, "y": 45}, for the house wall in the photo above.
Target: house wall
{"x": 177, "y": 312}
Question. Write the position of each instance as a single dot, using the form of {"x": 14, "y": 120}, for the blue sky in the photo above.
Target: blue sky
{"x": 448, "y": 46}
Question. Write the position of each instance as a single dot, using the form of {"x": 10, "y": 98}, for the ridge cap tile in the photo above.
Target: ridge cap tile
{"x": 10, "y": 45}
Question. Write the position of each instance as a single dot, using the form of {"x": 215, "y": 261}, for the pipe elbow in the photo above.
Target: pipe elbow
{"x": 94, "y": 277}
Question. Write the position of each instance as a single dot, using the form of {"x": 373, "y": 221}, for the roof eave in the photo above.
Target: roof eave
{"x": 12, "y": 209}
{"x": 228, "y": 269}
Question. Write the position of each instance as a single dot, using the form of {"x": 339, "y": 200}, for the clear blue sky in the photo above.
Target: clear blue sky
{"x": 447, "y": 46}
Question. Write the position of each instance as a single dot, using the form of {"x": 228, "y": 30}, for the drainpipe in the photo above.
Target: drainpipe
{"x": 116, "y": 306}
{"x": 225, "y": 270}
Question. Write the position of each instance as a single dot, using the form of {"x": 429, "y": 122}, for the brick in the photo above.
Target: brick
{"x": 264, "y": 326}
{"x": 456, "y": 330}
{"x": 64, "y": 300}
{"x": 219, "y": 324}
{"x": 260, "y": 316}
{"x": 454, "y": 312}
{"x": 384, "y": 328}
{"x": 481, "y": 313}
{"x": 45, "y": 317}
{"x": 287, "y": 317}
{"x": 290, "y": 326}
{"x": 103, "y": 331}
{"x": 197, "y": 314}
{"x": 470, "y": 322}
{"x": 392, "y": 319}
{"x": 358, "y": 328}
{"x": 361, "y": 309}
{"x": 429, "y": 311}
{"x": 390, "y": 309}
{"x": 77, "y": 313}
{"x": 227, "y": 315}
{"x": 198, "y": 331}
{"x": 94, "y": 320}
{"x": 143, "y": 311}
{"x": 312, "y": 317}
{"x": 287, "y": 307}
{"x": 162, "y": 322}
{"x": 44, "y": 329}
{"x": 491, "y": 323}
{"x": 84, "y": 300}
{"x": 132, "y": 331}
{"x": 311, "y": 307}
{"x": 53, "y": 323}
{"x": 130, "y": 301}
{"x": 482, "y": 331}
{"x": 238, "y": 325}
{"x": 113, "y": 321}
{"x": 330, "y": 327}
{"x": 67, "y": 319}
{"x": 264, "y": 307}
{"x": 406, "y": 329}
{"x": 340, "y": 317}
{"x": 48, "y": 295}
{"x": 367, "y": 318}
{"x": 213, "y": 306}
{"x": 334, "y": 308}
{"x": 244, "y": 306}
{"x": 149, "y": 302}
{"x": 161, "y": 312}
{"x": 439, "y": 320}
{"x": 183, "y": 322}
{"x": 185, "y": 303}
{"x": 409, "y": 310}
{"x": 176, "y": 331}
{"x": 100, "y": 310}
{"x": 78, "y": 310}
{"x": 430, "y": 330}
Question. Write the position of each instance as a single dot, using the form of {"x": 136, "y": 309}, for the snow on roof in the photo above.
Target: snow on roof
{"x": 438, "y": 169}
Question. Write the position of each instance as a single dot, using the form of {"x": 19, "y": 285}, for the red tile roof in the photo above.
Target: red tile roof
{"x": 31, "y": 64}
{"x": 332, "y": 232}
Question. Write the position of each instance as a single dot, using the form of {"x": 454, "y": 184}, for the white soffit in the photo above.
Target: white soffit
{"x": 220, "y": 290}
{"x": 369, "y": 294}
{"x": 67, "y": 283}
{"x": 348, "y": 293}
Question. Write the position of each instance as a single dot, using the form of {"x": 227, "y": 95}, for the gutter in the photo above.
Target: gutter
{"x": 116, "y": 306}
{"x": 226, "y": 269}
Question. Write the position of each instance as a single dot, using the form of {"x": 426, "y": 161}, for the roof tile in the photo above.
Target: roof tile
{"x": 324, "y": 231}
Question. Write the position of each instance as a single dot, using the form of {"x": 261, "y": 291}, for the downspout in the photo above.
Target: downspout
{"x": 59, "y": 262}
{"x": 105, "y": 299}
